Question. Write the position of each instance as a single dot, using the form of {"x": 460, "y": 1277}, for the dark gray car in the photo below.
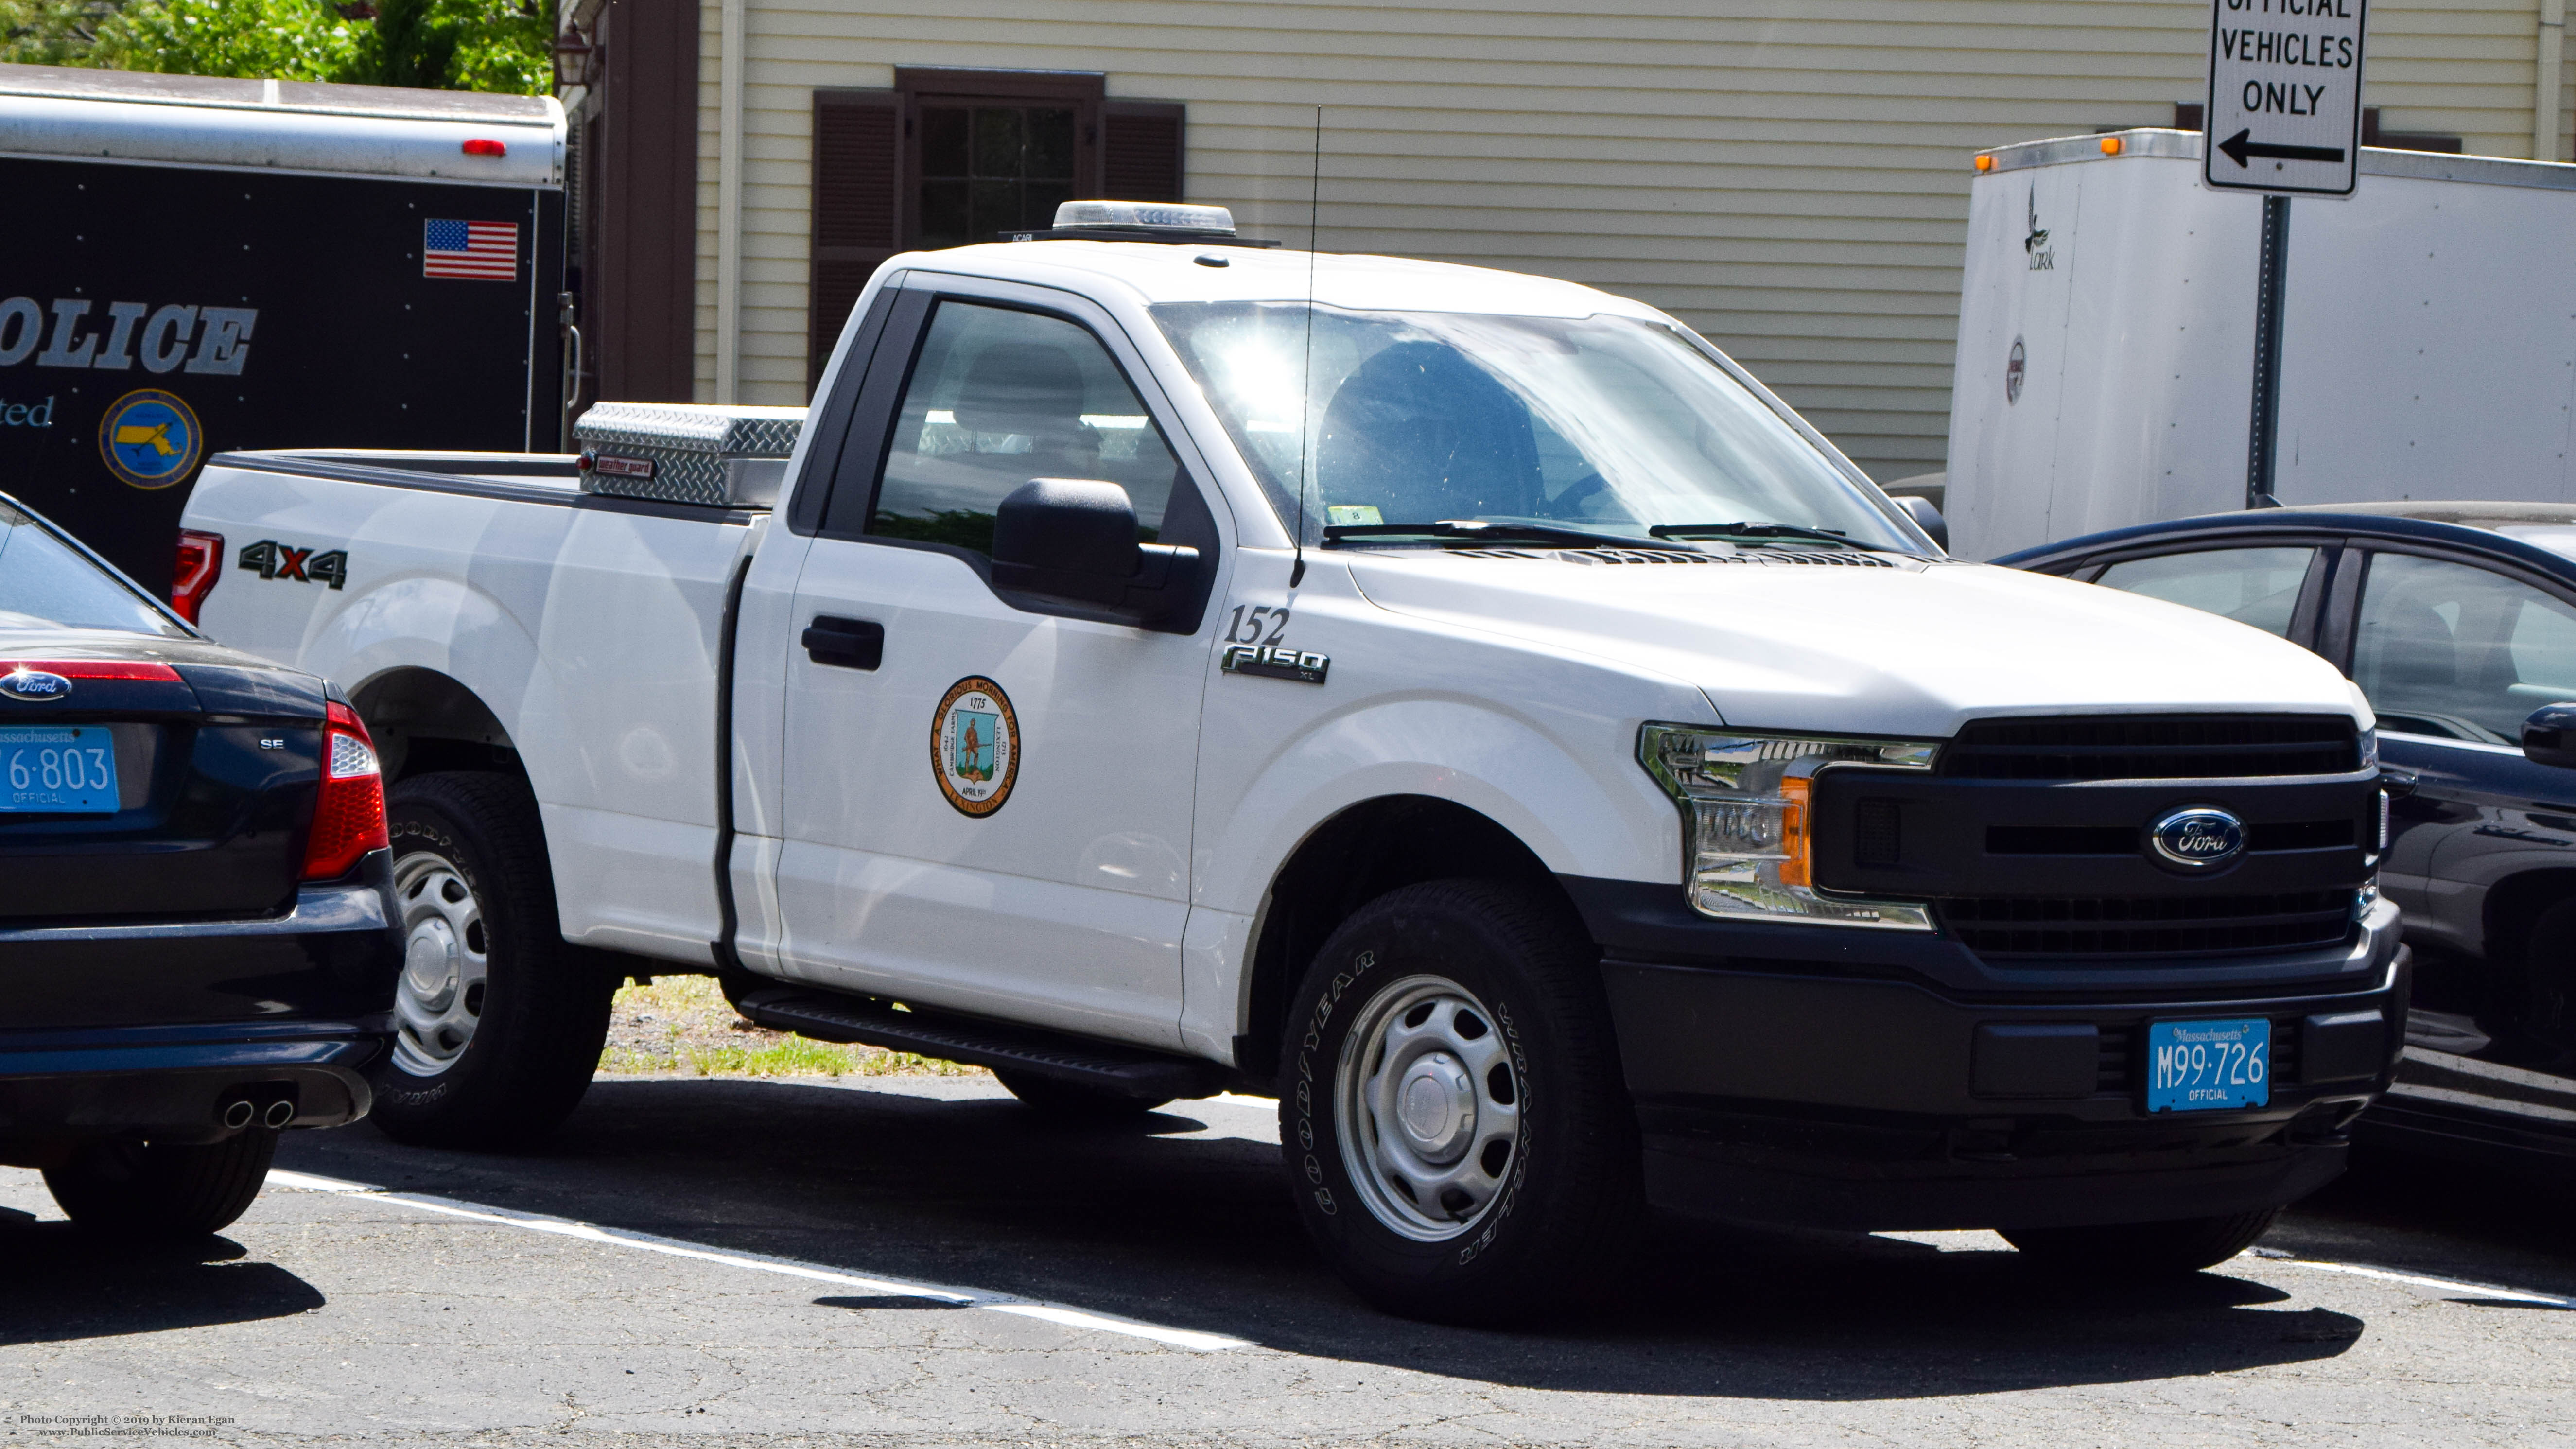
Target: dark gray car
{"x": 2458, "y": 621}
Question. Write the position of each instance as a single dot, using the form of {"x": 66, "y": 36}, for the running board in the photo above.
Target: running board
{"x": 1074, "y": 1061}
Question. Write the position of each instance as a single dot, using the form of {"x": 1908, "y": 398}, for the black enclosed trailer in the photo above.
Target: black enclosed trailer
{"x": 195, "y": 264}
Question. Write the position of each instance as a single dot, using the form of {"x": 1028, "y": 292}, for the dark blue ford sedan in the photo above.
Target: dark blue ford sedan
{"x": 2458, "y": 621}
{"x": 197, "y": 938}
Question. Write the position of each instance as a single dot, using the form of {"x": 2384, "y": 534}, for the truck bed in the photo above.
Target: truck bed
{"x": 590, "y": 625}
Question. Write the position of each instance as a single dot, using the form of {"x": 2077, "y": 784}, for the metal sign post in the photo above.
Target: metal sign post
{"x": 2284, "y": 120}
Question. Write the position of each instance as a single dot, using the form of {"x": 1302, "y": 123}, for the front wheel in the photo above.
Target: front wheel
{"x": 2144, "y": 1250}
{"x": 1456, "y": 1130}
{"x": 163, "y": 1190}
{"x": 498, "y": 1021}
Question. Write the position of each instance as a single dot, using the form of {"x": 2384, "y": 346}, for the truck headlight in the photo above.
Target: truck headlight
{"x": 1747, "y": 847}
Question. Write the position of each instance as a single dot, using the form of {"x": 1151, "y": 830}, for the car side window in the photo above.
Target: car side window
{"x": 2460, "y": 652}
{"x": 997, "y": 397}
{"x": 2257, "y": 586}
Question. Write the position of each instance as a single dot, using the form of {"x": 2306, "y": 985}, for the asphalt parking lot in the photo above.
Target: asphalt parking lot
{"x": 922, "y": 1261}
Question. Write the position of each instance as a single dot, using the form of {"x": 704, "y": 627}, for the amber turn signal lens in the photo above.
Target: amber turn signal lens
{"x": 2110, "y": 145}
{"x": 1799, "y": 867}
{"x": 1985, "y": 163}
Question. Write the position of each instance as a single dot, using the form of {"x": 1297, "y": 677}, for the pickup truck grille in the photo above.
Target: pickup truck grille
{"x": 2195, "y": 924}
{"x": 2153, "y": 747}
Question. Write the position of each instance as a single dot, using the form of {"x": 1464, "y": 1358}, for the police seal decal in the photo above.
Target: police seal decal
{"x": 975, "y": 746}
{"x": 150, "y": 439}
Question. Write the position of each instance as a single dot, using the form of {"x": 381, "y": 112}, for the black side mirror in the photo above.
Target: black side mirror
{"x": 1075, "y": 539}
{"x": 1927, "y": 518}
{"x": 2549, "y": 735}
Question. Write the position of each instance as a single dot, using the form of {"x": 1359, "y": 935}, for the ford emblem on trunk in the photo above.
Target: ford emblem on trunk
{"x": 2198, "y": 837}
{"x": 35, "y": 686}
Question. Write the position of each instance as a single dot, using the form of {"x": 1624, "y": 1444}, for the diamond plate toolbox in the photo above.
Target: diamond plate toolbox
{"x": 723, "y": 457}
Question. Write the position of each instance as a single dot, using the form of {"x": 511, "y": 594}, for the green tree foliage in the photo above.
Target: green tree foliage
{"x": 483, "y": 45}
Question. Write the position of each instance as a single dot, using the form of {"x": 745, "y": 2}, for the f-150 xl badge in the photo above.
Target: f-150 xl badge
{"x": 273, "y": 560}
{"x": 1275, "y": 662}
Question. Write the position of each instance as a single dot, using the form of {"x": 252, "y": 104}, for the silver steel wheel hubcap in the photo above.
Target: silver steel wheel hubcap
{"x": 1427, "y": 1106}
{"x": 439, "y": 997}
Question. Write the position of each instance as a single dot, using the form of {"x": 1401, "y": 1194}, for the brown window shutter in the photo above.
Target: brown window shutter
{"x": 1142, "y": 158}
{"x": 857, "y": 208}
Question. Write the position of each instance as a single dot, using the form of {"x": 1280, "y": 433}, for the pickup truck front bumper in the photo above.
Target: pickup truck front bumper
{"x": 151, "y": 1029}
{"x": 1857, "y": 1094}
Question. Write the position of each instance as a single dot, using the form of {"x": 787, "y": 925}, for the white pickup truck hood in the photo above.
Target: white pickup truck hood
{"x": 1907, "y": 651}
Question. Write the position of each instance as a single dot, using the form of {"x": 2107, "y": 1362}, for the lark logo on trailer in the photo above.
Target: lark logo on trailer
{"x": 2035, "y": 246}
{"x": 273, "y": 560}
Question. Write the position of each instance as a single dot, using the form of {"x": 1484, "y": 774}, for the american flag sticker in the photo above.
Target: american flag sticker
{"x": 479, "y": 251}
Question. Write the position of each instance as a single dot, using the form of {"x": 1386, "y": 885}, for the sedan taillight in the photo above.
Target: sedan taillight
{"x": 201, "y": 562}
{"x": 349, "y": 818}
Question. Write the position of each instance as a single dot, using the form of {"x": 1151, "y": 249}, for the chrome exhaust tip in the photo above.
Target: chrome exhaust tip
{"x": 279, "y": 1113}
{"x": 238, "y": 1113}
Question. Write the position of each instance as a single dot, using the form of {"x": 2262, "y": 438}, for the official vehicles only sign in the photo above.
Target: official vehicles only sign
{"x": 2284, "y": 111}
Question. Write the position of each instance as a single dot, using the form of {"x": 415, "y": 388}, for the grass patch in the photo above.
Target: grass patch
{"x": 682, "y": 1025}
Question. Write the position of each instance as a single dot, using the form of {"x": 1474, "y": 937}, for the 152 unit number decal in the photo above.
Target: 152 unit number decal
{"x": 1248, "y": 623}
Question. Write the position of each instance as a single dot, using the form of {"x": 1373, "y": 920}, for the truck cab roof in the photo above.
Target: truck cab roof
{"x": 1154, "y": 272}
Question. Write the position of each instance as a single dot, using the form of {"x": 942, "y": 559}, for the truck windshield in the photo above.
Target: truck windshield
{"x": 1601, "y": 424}
{"x": 46, "y": 584}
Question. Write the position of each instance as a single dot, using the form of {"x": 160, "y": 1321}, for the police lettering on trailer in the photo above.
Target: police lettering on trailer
{"x": 169, "y": 338}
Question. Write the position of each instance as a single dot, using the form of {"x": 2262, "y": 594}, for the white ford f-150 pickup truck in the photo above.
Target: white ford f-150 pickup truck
{"x": 1464, "y": 705}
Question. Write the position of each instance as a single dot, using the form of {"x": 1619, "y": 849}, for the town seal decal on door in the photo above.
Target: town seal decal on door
{"x": 975, "y": 746}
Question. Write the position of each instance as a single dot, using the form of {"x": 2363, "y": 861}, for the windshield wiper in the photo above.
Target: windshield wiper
{"x": 1478, "y": 530}
{"x": 1752, "y": 530}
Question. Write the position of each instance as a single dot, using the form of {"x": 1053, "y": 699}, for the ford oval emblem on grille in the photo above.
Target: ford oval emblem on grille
{"x": 2198, "y": 837}
{"x": 35, "y": 686}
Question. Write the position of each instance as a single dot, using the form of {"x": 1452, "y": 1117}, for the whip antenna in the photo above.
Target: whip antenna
{"x": 1306, "y": 367}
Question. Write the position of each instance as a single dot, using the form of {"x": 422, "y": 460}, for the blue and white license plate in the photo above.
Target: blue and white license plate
{"x": 58, "y": 769}
{"x": 2207, "y": 1066}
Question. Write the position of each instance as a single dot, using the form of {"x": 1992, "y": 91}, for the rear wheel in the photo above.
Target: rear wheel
{"x": 499, "y": 1021}
{"x": 1457, "y": 1134}
{"x": 2186, "y": 1245}
{"x": 163, "y": 1189}
{"x": 1069, "y": 1103}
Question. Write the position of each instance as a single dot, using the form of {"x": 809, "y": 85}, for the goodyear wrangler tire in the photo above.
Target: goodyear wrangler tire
{"x": 498, "y": 1021}
{"x": 1456, "y": 1131}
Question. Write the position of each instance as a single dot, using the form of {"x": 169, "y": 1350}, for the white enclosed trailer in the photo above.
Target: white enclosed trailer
{"x": 2106, "y": 338}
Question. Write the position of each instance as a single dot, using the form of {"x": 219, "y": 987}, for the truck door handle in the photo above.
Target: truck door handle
{"x": 845, "y": 643}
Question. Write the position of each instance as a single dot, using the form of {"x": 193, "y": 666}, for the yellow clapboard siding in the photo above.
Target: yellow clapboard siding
{"x": 1788, "y": 176}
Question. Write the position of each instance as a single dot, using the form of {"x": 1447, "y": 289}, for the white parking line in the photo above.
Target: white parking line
{"x": 2416, "y": 1280}
{"x": 761, "y": 1263}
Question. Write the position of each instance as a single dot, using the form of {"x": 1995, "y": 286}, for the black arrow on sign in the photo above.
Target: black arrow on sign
{"x": 2237, "y": 148}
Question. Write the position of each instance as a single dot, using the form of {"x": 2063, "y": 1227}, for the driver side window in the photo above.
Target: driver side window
{"x": 1000, "y": 396}
{"x": 2459, "y": 652}
{"x": 2257, "y": 586}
